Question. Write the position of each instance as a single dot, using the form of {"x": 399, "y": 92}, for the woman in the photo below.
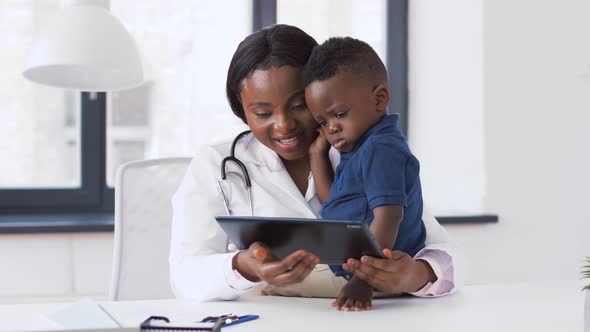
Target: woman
{"x": 265, "y": 89}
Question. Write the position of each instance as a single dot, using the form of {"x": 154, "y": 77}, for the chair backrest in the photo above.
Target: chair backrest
{"x": 143, "y": 217}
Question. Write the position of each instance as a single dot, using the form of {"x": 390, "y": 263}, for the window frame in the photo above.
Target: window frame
{"x": 94, "y": 195}
{"x": 94, "y": 198}
{"x": 397, "y": 59}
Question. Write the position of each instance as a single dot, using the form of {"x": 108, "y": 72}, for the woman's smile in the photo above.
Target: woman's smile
{"x": 290, "y": 142}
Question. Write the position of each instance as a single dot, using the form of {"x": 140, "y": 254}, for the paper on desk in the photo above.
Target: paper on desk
{"x": 80, "y": 315}
{"x": 83, "y": 314}
{"x": 39, "y": 323}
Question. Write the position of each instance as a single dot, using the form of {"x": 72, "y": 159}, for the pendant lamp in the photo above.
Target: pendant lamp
{"x": 85, "y": 47}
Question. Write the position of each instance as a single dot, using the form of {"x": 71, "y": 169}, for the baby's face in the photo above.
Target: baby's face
{"x": 344, "y": 108}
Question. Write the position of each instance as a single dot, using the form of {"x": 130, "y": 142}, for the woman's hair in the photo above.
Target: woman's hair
{"x": 272, "y": 47}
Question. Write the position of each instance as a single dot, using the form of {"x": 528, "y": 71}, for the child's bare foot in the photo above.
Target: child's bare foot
{"x": 356, "y": 295}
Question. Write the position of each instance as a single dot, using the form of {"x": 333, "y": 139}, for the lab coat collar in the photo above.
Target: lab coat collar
{"x": 258, "y": 154}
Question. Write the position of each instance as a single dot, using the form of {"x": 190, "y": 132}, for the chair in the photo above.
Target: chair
{"x": 143, "y": 216}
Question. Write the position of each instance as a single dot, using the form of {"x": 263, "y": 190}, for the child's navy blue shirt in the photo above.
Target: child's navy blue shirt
{"x": 381, "y": 170}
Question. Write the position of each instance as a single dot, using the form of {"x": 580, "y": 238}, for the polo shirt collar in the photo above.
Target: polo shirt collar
{"x": 387, "y": 123}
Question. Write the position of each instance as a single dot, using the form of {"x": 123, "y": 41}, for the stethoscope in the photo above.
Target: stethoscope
{"x": 240, "y": 164}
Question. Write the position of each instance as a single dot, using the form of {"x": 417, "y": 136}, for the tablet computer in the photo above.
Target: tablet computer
{"x": 333, "y": 241}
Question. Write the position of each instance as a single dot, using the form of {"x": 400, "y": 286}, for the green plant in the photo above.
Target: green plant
{"x": 586, "y": 272}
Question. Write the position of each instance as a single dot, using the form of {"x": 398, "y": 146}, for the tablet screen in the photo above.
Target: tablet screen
{"x": 333, "y": 241}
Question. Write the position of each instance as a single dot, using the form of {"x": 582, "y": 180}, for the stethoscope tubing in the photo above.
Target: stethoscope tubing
{"x": 232, "y": 158}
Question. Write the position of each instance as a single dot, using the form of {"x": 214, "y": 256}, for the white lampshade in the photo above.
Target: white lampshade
{"x": 84, "y": 47}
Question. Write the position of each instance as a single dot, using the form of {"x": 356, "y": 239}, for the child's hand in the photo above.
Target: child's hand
{"x": 356, "y": 295}
{"x": 320, "y": 145}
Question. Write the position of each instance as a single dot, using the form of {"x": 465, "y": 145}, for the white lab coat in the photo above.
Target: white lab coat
{"x": 200, "y": 261}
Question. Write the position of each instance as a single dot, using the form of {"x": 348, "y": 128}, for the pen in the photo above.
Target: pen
{"x": 241, "y": 319}
{"x": 231, "y": 319}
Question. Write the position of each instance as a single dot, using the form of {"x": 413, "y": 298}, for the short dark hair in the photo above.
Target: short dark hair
{"x": 344, "y": 54}
{"x": 272, "y": 47}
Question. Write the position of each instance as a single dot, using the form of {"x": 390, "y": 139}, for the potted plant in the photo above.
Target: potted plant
{"x": 586, "y": 289}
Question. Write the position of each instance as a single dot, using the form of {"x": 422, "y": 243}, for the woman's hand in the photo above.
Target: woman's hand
{"x": 256, "y": 264}
{"x": 396, "y": 273}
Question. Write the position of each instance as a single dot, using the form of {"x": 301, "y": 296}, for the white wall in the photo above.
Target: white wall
{"x": 55, "y": 267}
{"x": 536, "y": 106}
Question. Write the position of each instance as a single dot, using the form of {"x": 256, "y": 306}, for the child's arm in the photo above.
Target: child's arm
{"x": 321, "y": 168}
{"x": 386, "y": 220}
{"x": 323, "y": 176}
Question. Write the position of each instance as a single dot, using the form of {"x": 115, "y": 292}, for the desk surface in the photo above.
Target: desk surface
{"x": 543, "y": 306}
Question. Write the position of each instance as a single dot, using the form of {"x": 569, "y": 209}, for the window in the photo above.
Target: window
{"x": 39, "y": 126}
{"x": 362, "y": 19}
{"x": 181, "y": 105}
{"x": 447, "y": 105}
{"x": 380, "y": 23}
{"x": 63, "y": 147}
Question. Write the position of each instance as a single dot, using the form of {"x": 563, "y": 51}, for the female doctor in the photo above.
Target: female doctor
{"x": 265, "y": 89}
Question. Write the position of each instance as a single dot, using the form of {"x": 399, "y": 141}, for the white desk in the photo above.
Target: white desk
{"x": 550, "y": 306}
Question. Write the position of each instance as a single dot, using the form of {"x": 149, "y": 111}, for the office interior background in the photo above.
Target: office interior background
{"x": 499, "y": 104}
